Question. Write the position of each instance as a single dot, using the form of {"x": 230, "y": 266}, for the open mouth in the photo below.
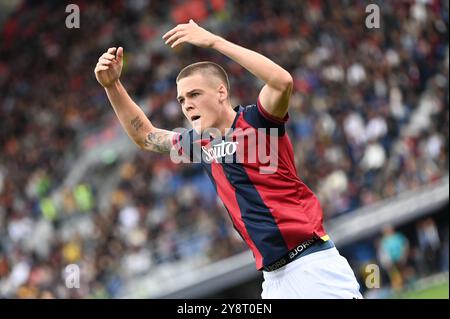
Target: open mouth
{"x": 195, "y": 117}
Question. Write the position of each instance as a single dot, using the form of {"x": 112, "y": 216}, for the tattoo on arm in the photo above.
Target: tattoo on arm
{"x": 159, "y": 141}
{"x": 137, "y": 123}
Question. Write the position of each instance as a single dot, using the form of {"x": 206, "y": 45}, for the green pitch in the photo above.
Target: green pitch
{"x": 436, "y": 291}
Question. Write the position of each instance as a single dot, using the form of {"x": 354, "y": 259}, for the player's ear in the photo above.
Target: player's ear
{"x": 223, "y": 93}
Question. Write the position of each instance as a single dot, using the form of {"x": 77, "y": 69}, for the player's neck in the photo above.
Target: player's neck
{"x": 226, "y": 120}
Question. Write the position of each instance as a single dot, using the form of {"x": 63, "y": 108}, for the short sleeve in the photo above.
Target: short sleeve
{"x": 186, "y": 146}
{"x": 258, "y": 117}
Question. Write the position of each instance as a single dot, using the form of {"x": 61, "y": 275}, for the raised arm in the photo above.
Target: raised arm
{"x": 131, "y": 117}
{"x": 274, "y": 96}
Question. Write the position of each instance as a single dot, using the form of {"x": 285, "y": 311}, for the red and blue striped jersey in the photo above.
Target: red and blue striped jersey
{"x": 253, "y": 171}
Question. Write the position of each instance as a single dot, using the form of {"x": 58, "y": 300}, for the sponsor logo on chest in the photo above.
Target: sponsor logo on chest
{"x": 219, "y": 150}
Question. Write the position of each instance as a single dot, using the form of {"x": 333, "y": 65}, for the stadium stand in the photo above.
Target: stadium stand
{"x": 368, "y": 118}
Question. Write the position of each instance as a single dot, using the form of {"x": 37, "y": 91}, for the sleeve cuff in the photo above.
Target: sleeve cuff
{"x": 271, "y": 117}
{"x": 176, "y": 143}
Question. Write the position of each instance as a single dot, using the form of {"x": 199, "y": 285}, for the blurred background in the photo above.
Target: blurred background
{"x": 369, "y": 121}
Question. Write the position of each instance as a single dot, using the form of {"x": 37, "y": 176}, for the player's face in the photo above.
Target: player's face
{"x": 199, "y": 100}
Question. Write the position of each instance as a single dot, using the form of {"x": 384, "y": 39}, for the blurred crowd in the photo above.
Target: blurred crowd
{"x": 403, "y": 256}
{"x": 368, "y": 120}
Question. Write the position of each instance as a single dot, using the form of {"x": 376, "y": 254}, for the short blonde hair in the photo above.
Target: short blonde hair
{"x": 207, "y": 68}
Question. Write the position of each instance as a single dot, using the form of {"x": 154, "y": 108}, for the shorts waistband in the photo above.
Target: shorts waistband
{"x": 307, "y": 247}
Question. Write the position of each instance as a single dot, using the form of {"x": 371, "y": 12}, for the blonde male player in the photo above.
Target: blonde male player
{"x": 276, "y": 214}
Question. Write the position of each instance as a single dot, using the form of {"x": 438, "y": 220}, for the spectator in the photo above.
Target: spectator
{"x": 429, "y": 246}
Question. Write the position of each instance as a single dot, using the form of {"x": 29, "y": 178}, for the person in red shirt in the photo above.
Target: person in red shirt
{"x": 275, "y": 213}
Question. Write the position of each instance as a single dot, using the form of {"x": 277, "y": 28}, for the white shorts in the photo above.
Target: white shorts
{"x": 321, "y": 275}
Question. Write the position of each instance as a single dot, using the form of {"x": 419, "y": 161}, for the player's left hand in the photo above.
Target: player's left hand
{"x": 191, "y": 33}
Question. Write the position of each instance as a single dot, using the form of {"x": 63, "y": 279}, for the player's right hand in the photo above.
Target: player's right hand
{"x": 109, "y": 66}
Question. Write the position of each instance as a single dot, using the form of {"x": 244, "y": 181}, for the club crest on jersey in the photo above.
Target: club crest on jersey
{"x": 219, "y": 150}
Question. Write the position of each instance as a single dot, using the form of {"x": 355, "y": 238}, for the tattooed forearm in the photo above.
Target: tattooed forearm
{"x": 137, "y": 123}
{"x": 159, "y": 141}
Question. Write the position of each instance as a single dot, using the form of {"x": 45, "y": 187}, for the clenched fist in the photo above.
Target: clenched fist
{"x": 109, "y": 66}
